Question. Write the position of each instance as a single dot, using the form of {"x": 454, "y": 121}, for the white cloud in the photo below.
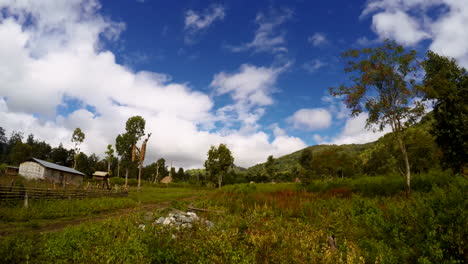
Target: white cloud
{"x": 311, "y": 119}
{"x": 318, "y": 39}
{"x": 251, "y": 89}
{"x": 56, "y": 55}
{"x": 267, "y": 36}
{"x": 354, "y": 132}
{"x": 313, "y": 65}
{"x": 443, "y": 22}
{"x": 398, "y": 26}
{"x": 198, "y": 21}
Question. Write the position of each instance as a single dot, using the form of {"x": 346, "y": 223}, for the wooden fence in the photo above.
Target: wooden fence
{"x": 25, "y": 193}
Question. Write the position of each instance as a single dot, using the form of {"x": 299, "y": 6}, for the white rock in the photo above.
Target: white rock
{"x": 186, "y": 225}
{"x": 167, "y": 221}
{"x": 160, "y": 220}
{"x": 142, "y": 227}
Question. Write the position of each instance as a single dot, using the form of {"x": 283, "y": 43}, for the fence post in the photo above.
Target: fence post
{"x": 26, "y": 202}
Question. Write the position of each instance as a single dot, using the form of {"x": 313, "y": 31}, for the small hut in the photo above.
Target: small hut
{"x": 11, "y": 171}
{"x": 167, "y": 179}
{"x": 102, "y": 176}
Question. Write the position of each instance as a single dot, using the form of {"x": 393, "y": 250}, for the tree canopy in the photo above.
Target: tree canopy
{"x": 218, "y": 162}
{"x": 446, "y": 84}
{"x": 383, "y": 84}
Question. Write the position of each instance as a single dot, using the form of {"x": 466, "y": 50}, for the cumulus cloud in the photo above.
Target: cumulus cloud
{"x": 52, "y": 54}
{"x": 251, "y": 89}
{"x": 196, "y": 22}
{"x": 443, "y": 22}
{"x": 311, "y": 119}
{"x": 355, "y": 132}
{"x": 398, "y": 26}
{"x": 314, "y": 65}
{"x": 318, "y": 39}
{"x": 268, "y": 38}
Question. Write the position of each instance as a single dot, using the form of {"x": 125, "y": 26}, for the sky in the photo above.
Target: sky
{"x": 251, "y": 74}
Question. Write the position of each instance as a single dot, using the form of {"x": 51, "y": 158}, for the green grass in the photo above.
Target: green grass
{"x": 278, "y": 223}
{"x": 41, "y": 212}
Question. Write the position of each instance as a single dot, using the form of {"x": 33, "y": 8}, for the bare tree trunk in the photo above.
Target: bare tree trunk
{"x": 220, "y": 179}
{"x": 108, "y": 166}
{"x": 118, "y": 168}
{"x": 157, "y": 173}
{"x": 126, "y": 177}
{"x": 139, "y": 176}
{"x": 407, "y": 165}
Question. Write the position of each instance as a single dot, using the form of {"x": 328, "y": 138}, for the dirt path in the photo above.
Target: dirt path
{"x": 62, "y": 224}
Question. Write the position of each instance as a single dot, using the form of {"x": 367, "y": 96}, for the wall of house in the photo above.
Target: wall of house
{"x": 60, "y": 177}
{"x": 31, "y": 170}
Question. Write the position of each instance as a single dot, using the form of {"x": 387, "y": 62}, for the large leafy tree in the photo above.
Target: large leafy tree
{"x": 62, "y": 156}
{"x": 446, "y": 84}
{"x": 383, "y": 84}
{"x": 19, "y": 151}
{"x": 77, "y": 138}
{"x": 219, "y": 162}
{"x": 125, "y": 143}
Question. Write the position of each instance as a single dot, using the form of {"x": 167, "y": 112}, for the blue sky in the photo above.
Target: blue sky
{"x": 251, "y": 74}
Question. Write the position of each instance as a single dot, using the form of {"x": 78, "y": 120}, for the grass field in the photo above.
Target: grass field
{"x": 263, "y": 223}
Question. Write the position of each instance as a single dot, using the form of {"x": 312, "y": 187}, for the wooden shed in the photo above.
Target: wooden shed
{"x": 101, "y": 175}
{"x": 44, "y": 170}
{"x": 11, "y": 171}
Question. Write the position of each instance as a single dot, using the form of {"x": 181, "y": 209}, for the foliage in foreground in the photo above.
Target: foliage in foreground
{"x": 265, "y": 224}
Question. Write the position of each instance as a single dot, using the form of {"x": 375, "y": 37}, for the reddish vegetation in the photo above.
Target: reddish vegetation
{"x": 342, "y": 192}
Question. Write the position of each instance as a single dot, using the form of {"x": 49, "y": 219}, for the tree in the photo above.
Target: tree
{"x": 62, "y": 156}
{"x": 161, "y": 170}
{"x": 3, "y": 144}
{"x": 77, "y": 138}
{"x": 269, "y": 167}
{"x": 141, "y": 157}
{"x": 110, "y": 156}
{"x": 180, "y": 174}
{"x": 446, "y": 84}
{"x": 218, "y": 163}
{"x": 384, "y": 86}
{"x": 305, "y": 160}
{"x": 126, "y": 143}
{"x": 123, "y": 146}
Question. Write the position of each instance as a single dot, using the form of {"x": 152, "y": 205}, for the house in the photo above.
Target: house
{"x": 43, "y": 170}
{"x": 11, "y": 171}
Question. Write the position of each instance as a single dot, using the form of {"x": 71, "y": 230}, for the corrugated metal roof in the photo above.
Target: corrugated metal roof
{"x": 100, "y": 173}
{"x": 54, "y": 166}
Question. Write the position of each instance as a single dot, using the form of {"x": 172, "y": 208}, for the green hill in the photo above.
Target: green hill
{"x": 379, "y": 157}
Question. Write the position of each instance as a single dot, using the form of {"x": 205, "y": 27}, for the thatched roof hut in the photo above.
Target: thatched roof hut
{"x": 167, "y": 179}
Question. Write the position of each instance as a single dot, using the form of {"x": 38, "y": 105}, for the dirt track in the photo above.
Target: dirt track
{"x": 61, "y": 224}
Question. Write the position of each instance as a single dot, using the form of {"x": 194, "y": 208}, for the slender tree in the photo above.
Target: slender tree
{"x": 123, "y": 146}
{"x": 77, "y": 138}
{"x": 110, "y": 156}
{"x": 141, "y": 152}
{"x": 383, "y": 84}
